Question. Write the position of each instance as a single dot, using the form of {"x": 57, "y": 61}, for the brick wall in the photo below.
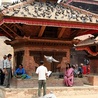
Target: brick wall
{"x": 94, "y": 66}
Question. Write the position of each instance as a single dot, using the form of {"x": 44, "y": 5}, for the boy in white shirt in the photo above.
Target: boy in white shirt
{"x": 42, "y": 74}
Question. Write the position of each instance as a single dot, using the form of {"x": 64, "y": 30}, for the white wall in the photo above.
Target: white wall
{"x": 10, "y": 1}
{"x": 6, "y": 0}
{"x": 4, "y": 49}
{"x": 0, "y": 3}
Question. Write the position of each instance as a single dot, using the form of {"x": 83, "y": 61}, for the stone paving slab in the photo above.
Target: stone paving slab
{"x": 60, "y": 92}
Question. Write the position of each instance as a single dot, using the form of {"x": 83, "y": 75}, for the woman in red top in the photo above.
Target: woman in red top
{"x": 84, "y": 68}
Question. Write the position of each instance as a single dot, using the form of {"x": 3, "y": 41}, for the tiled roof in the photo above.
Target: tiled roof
{"x": 88, "y": 6}
{"x": 84, "y": 37}
{"x": 52, "y": 11}
{"x": 87, "y": 42}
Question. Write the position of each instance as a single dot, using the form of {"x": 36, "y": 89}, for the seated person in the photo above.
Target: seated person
{"x": 68, "y": 78}
{"x": 80, "y": 75}
{"x": 75, "y": 67}
{"x": 21, "y": 73}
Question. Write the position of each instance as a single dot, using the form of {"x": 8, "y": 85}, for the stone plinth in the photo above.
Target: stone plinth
{"x": 93, "y": 80}
{"x": 28, "y": 83}
{"x": 51, "y": 82}
{"x": 78, "y": 82}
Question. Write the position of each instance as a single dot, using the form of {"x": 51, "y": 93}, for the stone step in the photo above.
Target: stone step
{"x": 51, "y": 82}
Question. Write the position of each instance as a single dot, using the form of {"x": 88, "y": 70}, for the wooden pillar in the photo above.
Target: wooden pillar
{"x": 14, "y": 63}
{"x": 29, "y": 62}
{"x": 94, "y": 66}
{"x": 68, "y": 55}
{"x": 26, "y": 59}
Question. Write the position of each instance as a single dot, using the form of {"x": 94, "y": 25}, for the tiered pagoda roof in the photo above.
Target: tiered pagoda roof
{"x": 48, "y": 20}
{"x": 50, "y": 11}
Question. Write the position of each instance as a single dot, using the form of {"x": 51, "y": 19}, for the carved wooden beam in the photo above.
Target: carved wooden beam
{"x": 80, "y": 32}
{"x": 41, "y": 31}
{"x": 1, "y": 16}
{"x": 69, "y": 1}
{"x": 68, "y": 32}
{"x": 61, "y": 32}
{"x": 23, "y": 40}
{"x": 10, "y": 30}
{"x": 7, "y": 32}
{"x": 73, "y": 33}
{"x": 19, "y": 27}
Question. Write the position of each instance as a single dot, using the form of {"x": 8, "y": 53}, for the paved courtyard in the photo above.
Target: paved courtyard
{"x": 60, "y": 92}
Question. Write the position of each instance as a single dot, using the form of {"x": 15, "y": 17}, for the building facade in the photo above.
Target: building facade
{"x": 38, "y": 28}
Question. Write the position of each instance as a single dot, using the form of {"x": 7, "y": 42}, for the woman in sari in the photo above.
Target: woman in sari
{"x": 21, "y": 73}
{"x": 69, "y": 75}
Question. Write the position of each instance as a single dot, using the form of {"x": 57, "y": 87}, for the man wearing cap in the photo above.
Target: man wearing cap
{"x": 42, "y": 74}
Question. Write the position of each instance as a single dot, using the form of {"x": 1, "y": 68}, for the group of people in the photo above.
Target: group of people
{"x": 81, "y": 70}
{"x": 6, "y": 72}
{"x": 68, "y": 75}
{"x": 42, "y": 72}
{"x": 75, "y": 71}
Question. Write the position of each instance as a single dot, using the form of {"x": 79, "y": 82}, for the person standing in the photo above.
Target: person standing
{"x": 42, "y": 74}
{"x": 7, "y": 70}
{"x": 2, "y": 73}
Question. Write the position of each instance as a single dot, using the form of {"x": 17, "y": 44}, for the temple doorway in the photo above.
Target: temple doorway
{"x": 39, "y": 55}
{"x": 18, "y": 58}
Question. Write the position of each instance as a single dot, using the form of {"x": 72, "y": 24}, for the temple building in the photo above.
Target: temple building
{"x": 38, "y": 28}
